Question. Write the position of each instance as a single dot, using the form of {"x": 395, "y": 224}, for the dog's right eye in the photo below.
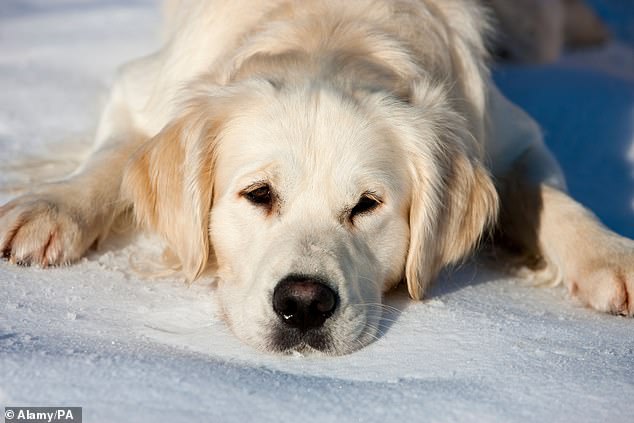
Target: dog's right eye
{"x": 260, "y": 196}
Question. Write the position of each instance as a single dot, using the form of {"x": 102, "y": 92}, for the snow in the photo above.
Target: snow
{"x": 484, "y": 347}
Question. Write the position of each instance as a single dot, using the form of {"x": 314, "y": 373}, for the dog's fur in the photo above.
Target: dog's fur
{"x": 321, "y": 104}
{"x": 537, "y": 31}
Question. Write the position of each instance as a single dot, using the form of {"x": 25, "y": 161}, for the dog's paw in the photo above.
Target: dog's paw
{"x": 606, "y": 283}
{"x": 41, "y": 231}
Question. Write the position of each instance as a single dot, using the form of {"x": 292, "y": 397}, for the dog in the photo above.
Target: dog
{"x": 314, "y": 154}
{"x": 537, "y": 31}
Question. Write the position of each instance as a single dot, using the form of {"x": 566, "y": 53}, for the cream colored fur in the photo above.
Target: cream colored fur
{"x": 538, "y": 30}
{"x": 323, "y": 102}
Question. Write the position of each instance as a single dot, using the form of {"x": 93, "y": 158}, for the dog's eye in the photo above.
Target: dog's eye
{"x": 260, "y": 196}
{"x": 367, "y": 203}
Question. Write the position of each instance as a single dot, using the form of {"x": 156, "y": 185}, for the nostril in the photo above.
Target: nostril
{"x": 303, "y": 302}
{"x": 325, "y": 300}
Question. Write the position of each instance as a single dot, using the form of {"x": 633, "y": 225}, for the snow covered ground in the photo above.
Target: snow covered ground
{"x": 484, "y": 347}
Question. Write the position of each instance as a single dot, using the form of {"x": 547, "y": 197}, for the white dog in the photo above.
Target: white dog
{"x": 315, "y": 153}
{"x": 538, "y": 30}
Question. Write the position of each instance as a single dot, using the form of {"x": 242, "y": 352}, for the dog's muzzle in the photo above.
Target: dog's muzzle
{"x": 303, "y": 304}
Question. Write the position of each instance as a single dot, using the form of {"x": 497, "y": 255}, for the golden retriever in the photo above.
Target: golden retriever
{"x": 537, "y": 31}
{"x": 313, "y": 154}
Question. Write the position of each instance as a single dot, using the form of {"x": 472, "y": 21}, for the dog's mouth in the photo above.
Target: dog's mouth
{"x": 287, "y": 340}
{"x": 306, "y": 316}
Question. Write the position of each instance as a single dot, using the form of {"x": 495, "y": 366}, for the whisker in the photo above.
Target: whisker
{"x": 363, "y": 278}
{"x": 179, "y": 331}
{"x": 376, "y": 329}
{"x": 385, "y": 308}
{"x": 382, "y": 306}
{"x": 383, "y": 320}
{"x": 366, "y": 333}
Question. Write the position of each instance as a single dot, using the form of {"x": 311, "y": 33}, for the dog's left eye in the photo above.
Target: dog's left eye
{"x": 367, "y": 203}
{"x": 260, "y": 196}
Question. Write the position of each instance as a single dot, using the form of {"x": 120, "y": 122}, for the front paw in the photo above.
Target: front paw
{"x": 42, "y": 230}
{"x": 606, "y": 283}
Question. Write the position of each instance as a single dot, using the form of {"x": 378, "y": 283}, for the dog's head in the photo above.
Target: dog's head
{"x": 310, "y": 203}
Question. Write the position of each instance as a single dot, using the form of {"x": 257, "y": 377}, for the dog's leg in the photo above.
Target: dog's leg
{"x": 594, "y": 263}
{"x": 542, "y": 223}
{"x": 57, "y": 222}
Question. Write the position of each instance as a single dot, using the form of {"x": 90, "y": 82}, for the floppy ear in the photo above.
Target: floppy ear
{"x": 169, "y": 181}
{"x": 467, "y": 203}
{"x": 453, "y": 197}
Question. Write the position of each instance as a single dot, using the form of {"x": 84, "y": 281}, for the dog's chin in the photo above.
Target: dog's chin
{"x": 288, "y": 340}
{"x": 302, "y": 349}
{"x": 314, "y": 342}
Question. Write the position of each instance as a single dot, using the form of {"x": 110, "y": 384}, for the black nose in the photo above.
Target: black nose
{"x": 303, "y": 302}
